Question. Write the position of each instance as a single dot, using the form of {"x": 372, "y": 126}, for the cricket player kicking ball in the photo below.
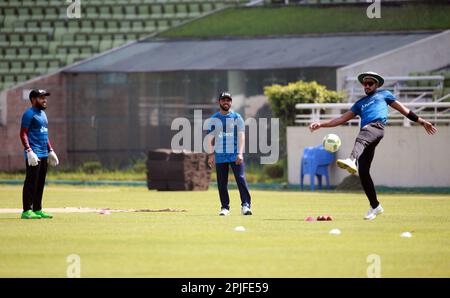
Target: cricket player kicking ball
{"x": 373, "y": 111}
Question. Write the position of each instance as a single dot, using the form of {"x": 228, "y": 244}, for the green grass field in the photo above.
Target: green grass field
{"x": 199, "y": 243}
{"x": 304, "y": 20}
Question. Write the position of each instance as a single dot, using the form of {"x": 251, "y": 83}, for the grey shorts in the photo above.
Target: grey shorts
{"x": 371, "y": 133}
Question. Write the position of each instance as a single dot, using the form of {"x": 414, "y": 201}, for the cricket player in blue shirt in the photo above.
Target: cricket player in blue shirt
{"x": 38, "y": 153}
{"x": 227, "y": 130}
{"x": 373, "y": 111}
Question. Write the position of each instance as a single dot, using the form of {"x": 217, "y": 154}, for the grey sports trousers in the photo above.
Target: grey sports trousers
{"x": 363, "y": 151}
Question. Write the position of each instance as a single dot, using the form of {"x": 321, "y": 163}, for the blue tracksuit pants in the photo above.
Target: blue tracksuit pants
{"x": 222, "y": 183}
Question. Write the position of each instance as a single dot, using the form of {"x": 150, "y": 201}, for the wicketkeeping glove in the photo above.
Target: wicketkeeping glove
{"x": 32, "y": 158}
{"x": 52, "y": 158}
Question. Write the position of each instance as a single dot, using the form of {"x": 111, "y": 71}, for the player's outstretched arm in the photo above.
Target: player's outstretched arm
{"x": 333, "y": 122}
{"x": 430, "y": 129}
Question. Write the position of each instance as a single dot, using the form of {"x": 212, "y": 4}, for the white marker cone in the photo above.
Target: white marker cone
{"x": 406, "y": 235}
{"x": 335, "y": 232}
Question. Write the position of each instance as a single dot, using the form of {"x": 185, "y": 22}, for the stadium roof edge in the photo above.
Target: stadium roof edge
{"x": 248, "y": 53}
{"x": 252, "y": 37}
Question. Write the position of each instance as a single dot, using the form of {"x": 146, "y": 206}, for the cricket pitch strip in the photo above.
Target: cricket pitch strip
{"x": 90, "y": 210}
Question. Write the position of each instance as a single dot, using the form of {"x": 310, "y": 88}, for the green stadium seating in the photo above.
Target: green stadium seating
{"x": 194, "y": 9}
{"x": 3, "y": 37}
{"x": 150, "y": 26}
{"x": 41, "y": 67}
{"x": 21, "y": 77}
{"x": 29, "y": 66}
{"x": 15, "y": 40}
{"x": 207, "y": 7}
{"x": 80, "y": 39}
{"x": 112, "y": 26}
{"x": 91, "y": 12}
{"x": 175, "y": 22}
{"x": 118, "y": 42}
{"x": 163, "y": 25}
{"x": 97, "y": 2}
{"x": 16, "y": 66}
{"x": 28, "y": 39}
{"x": 104, "y": 12}
{"x": 23, "y": 12}
{"x": 105, "y": 44}
{"x": 99, "y": 26}
{"x": 117, "y": 12}
{"x": 130, "y": 11}
{"x": 86, "y": 26}
{"x": 54, "y": 64}
{"x": 23, "y": 52}
{"x": 4, "y": 66}
{"x": 37, "y": 13}
{"x": 10, "y": 53}
{"x": 182, "y": 10}
{"x": 56, "y": 2}
{"x": 45, "y": 26}
{"x": 137, "y": 26}
{"x": 36, "y": 53}
{"x": 219, "y": 5}
{"x": 51, "y": 12}
{"x": 32, "y": 26}
{"x": 9, "y": 79}
{"x": 169, "y": 11}
{"x": 125, "y": 26}
{"x": 73, "y": 26}
{"x": 18, "y": 26}
{"x": 9, "y": 11}
{"x": 143, "y": 10}
{"x": 36, "y": 37}
{"x": 67, "y": 39}
{"x": 157, "y": 11}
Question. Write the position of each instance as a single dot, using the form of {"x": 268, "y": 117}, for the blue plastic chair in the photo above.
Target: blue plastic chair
{"x": 315, "y": 162}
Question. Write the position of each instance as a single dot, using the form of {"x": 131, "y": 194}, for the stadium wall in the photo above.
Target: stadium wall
{"x": 16, "y": 99}
{"x": 424, "y": 55}
{"x": 406, "y": 157}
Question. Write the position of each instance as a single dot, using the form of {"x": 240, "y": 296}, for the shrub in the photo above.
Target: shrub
{"x": 140, "y": 167}
{"x": 91, "y": 167}
{"x": 274, "y": 171}
{"x": 284, "y": 98}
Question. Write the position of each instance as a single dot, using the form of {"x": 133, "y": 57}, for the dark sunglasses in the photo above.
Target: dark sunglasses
{"x": 370, "y": 84}
{"x": 226, "y": 99}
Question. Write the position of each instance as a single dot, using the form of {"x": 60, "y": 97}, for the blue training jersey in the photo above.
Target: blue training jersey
{"x": 225, "y": 130}
{"x": 373, "y": 107}
{"x": 35, "y": 121}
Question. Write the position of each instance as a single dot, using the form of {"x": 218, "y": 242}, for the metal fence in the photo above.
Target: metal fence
{"x": 405, "y": 88}
{"x": 437, "y": 112}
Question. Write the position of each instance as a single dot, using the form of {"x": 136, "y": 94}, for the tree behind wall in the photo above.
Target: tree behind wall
{"x": 284, "y": 98}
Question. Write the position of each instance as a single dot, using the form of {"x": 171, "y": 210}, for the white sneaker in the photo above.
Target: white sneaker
{"x": 347, "y": 164}
{"x": 372, "y": 213}
{"x": 224, "y": 212}
{"x": 246, "y": 210}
